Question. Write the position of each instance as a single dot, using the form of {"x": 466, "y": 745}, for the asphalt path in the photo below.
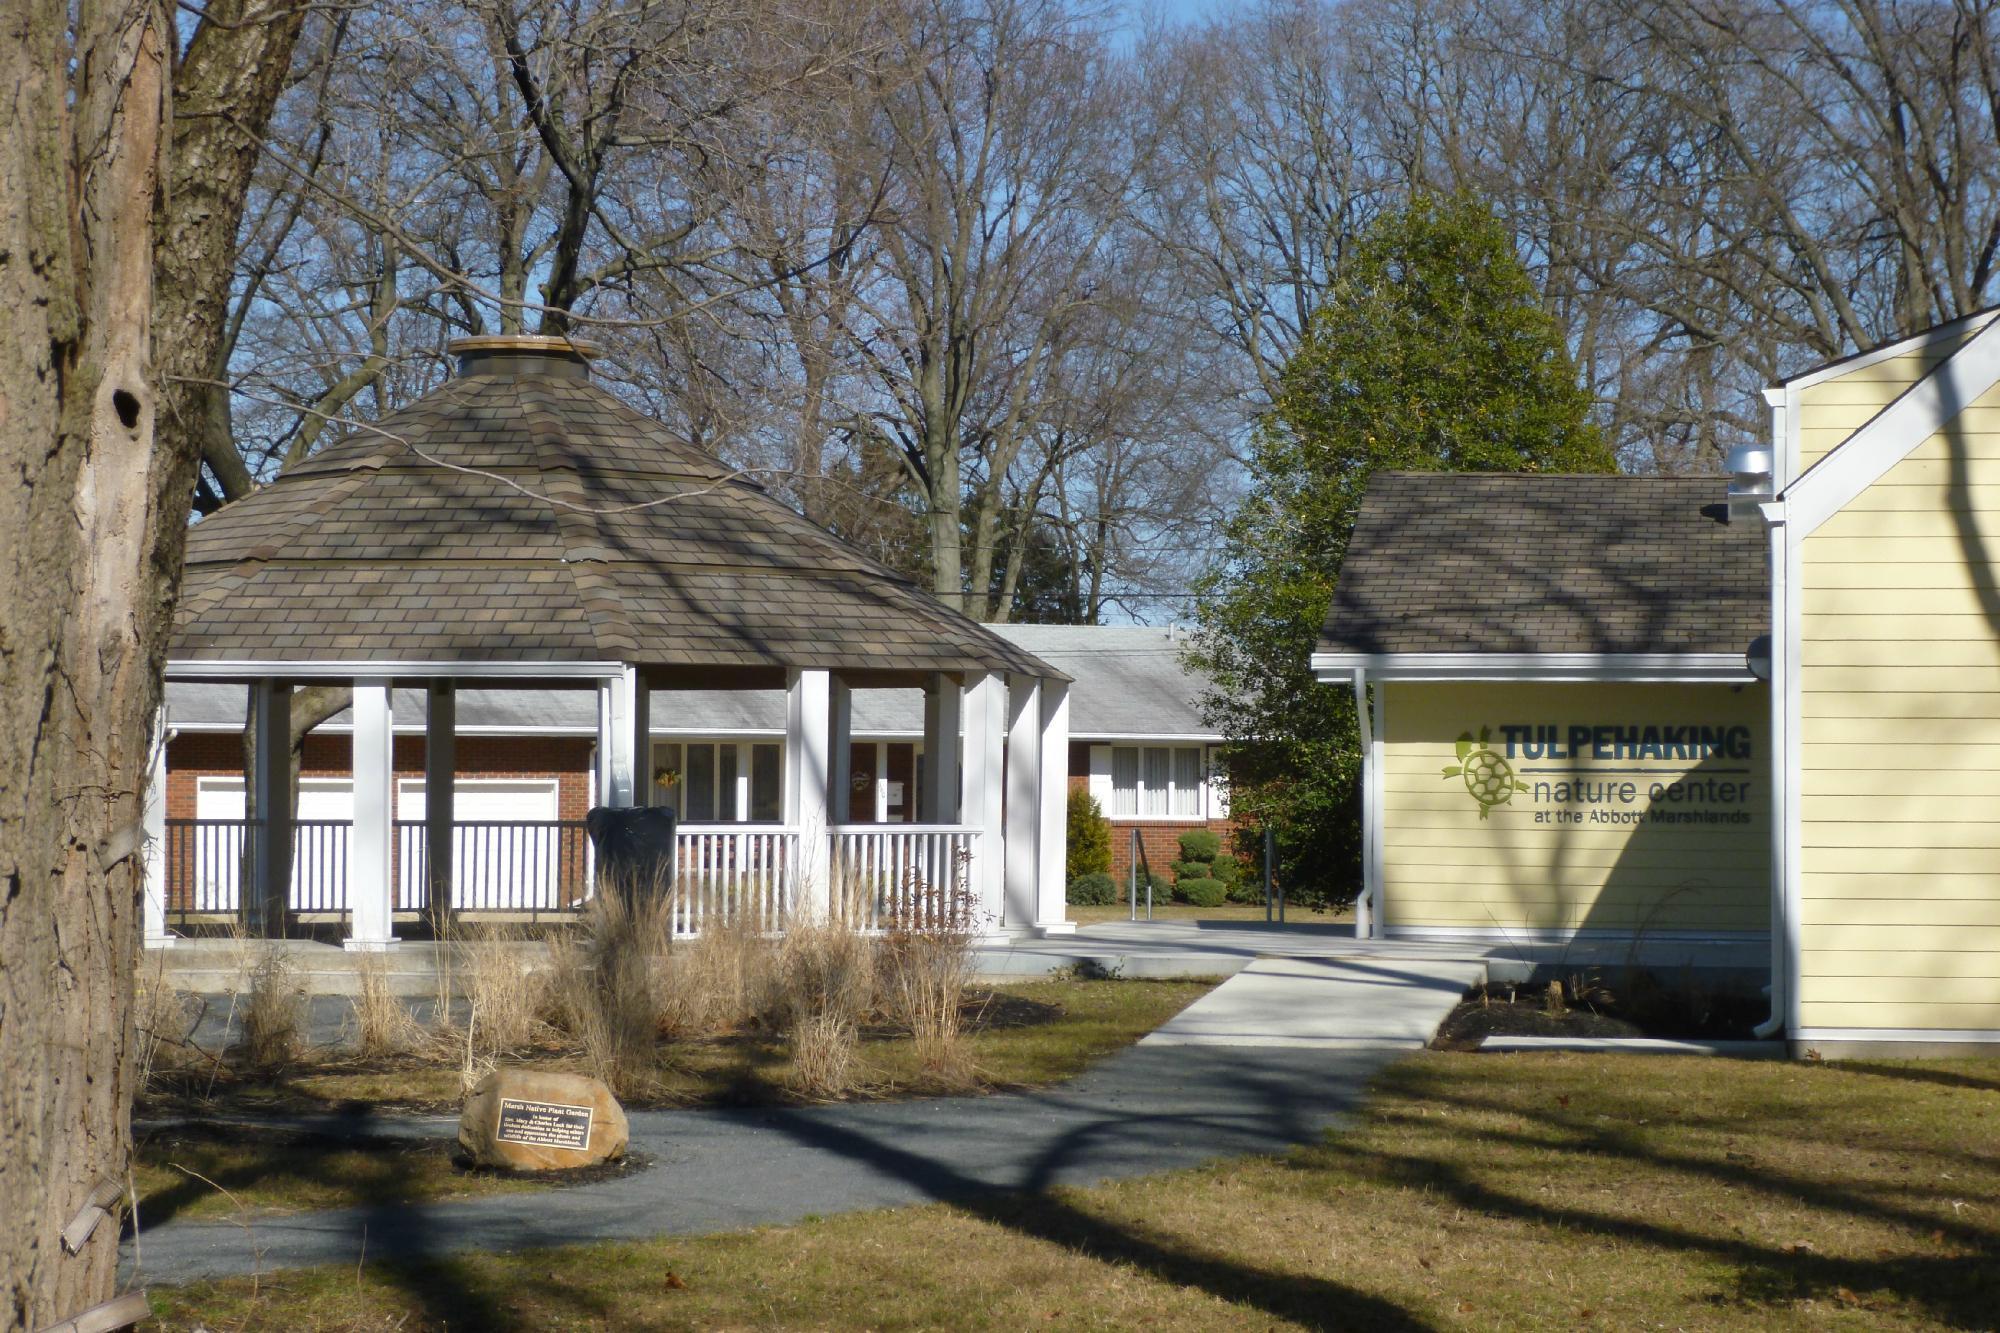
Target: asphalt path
{"x": 1144, "y": 1110}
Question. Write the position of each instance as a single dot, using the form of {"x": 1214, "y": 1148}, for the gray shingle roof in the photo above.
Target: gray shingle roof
{"x": 1128, "y": 682}
{"x": 1487, "y": 563}
{"x": 377, "y": 548}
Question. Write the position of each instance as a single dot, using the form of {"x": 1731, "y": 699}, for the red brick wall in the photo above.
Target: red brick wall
{"x": 564, "y": 758}
{"x": 1159, "y": 838}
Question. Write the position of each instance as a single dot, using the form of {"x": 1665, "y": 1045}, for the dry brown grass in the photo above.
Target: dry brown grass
{"x": 609, "y": 978}
{"x": 925, "y": 968}
{"x": 504, "y": 988}
{"x": 383, "y": 1024}
{"x": 715, "y": 983}
{"x": 825, "y": 990}
{"x": 166, "y": 1018}
{"x": 272, "y": 1011}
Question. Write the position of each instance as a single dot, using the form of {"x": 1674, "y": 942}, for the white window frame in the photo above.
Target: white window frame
{"x": 1103, "y": 775}
{"x": 745, "y": 748}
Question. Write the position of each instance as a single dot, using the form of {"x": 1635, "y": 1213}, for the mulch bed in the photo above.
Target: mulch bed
{"x": 1500, "y": 1010}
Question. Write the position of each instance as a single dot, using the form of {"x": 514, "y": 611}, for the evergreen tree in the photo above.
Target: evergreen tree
{"x": 1430, "y": 353}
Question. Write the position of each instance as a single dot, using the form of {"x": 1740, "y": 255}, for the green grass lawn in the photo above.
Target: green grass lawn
{"x": 1475, "y": 1192}
{"x": 1026, "y": 1034}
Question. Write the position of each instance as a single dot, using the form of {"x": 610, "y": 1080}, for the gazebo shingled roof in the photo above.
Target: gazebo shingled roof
{"x": 383, "y": 547}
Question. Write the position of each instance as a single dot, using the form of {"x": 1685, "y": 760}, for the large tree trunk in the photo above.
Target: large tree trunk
{"x": 88, "y": 557}
{"x": 224, "y": 91}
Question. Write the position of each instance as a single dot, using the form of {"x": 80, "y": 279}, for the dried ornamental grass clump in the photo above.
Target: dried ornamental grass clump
{"x": 272, "y": 1011}
{"x": 926, "y": 965}
{"x": 825, "y": 989}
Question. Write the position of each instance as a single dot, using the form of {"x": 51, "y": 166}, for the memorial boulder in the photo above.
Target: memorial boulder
{"x": 534, "y": 1120}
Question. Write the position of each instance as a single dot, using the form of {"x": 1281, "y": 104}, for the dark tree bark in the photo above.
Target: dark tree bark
{"x": 89, "y": 557}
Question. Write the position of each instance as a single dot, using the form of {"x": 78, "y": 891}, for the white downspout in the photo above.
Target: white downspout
{"x": 1781, "y": 684}
{"x": 1364, "y": 902}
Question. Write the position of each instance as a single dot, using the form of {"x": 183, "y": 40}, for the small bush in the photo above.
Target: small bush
{"x": 924, "y": 969}
{"x": 1226, "y": 868}
{"x": 1093, "y": 890}
{"x": 1189, "y": 870}
{"x": 1245, "y": 890}
{"x": 1203, "y": 892}
{"x": 1200, "y": 844}
{"x": 1089, "y": 837}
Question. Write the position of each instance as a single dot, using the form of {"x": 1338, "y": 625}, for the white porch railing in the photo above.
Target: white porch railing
{"x": 734, "y": 875}
{"x": 877, "y": 875}
{"x": 880, "y": 875}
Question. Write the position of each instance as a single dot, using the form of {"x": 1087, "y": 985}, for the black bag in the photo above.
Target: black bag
{"x": 635, "y": 846}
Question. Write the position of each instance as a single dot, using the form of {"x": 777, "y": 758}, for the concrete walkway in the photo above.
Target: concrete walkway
{"x": 1267, "y": 1061}
{"x": 1324, "y": 1003}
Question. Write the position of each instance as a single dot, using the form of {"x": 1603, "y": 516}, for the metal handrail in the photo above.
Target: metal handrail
{"x": 1139, "y": 863}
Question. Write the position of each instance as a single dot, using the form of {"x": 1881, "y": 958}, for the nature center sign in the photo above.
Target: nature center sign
{"x": 1610, "y": 773}
{"x": 1613, "y": 806}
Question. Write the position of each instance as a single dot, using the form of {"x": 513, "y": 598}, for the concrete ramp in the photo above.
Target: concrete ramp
{"x": 1325, "y": 1002}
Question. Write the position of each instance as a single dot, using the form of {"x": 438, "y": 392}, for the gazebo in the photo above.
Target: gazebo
{"x": 521, "y": 527}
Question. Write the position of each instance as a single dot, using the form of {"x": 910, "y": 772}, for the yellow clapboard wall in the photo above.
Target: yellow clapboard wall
{"x": 1444, "y": 867}
{"x": 1834, "y": 409}
{"x": 1899, "y": 672}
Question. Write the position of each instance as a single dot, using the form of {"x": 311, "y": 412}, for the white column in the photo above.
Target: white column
{"x": 266, "y": 891}
{"x": 807, "y": 715}
{"x": 624, "y": 746}
{"x": 743, "y": 758}
{"x": 1022, "y": 856}
{"x": 980, "y": 797}
{"x": 154, "y": 813}
{"x": 440, "y": 795}
{"x": 839, "y": 741}
{"x": 881, "y": 794}
{"x": 938, "y": 801}
{"x": 1051, "y": 889}
{"x": 372, "y": 861}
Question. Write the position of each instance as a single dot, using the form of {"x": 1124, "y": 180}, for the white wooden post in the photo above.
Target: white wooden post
{"x": 938, "y": 800}
{"x": 881, "y": 793}
{"x": 155, "y": 817}
{"x": 744, "y": 752}
{"x": 371, "y": 869}
{"x": 266, "y": 892}
{"x": 808, "y": 711}
{"x": 1022, "y": 856}
{"x": 624, "y": 747}
{"x": 981, "y": 793}
{"x": 440, "y": 792}
{"x": 840, "y": 752}
{"x": 1051, "y": 888}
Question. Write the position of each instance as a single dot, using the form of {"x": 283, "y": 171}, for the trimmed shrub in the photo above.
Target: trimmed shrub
{"x": 1225, "y": 868}
{"x": 1096, "y": 889}
{"x": 1200, "y": 844}
{"x": 1088, "y": 837}
{"x": 1203, "y": 892}
{"x": 1190, "y": 870}
{"x": 1245, "y": 890}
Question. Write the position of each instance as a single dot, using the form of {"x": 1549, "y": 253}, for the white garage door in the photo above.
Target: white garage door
{"x": 322, "y": 843}
{"x": 507, "y": 852}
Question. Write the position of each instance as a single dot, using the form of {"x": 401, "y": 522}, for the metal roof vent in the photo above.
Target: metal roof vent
{"x": 1751, "y": 480}
{"x": 515, "y": 355}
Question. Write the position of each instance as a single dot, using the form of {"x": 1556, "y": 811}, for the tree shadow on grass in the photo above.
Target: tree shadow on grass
{"x": 1916, "y": 1073}
{"x": 1950, "y": 1286}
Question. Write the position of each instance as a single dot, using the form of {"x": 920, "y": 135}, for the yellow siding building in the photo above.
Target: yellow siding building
{"x": 1775, "y": 704}
{"x": 1883, "y": 533}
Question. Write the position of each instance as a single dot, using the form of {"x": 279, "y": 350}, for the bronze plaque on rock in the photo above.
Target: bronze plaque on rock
{"x": 544, "y": 1124}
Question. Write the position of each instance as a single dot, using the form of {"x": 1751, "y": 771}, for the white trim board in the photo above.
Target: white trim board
{"x": 1891, "y": 435}
{"x": 1567, "y": 935}
{"x": 246, "y": 669}
{"x": 1338, "y": 668}
{"x": 1916, "y": 342}
{"x": 1955, "y": 1035}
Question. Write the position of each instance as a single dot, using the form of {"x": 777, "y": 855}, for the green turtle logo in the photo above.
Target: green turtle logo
{"x": 1487, "y": 776}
